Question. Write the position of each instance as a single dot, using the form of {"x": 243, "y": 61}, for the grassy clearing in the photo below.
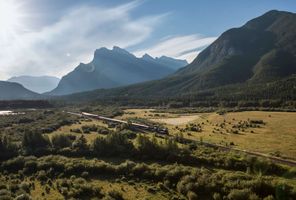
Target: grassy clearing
{"x": 276, "y": 136}
{"x": 89, "y": 136}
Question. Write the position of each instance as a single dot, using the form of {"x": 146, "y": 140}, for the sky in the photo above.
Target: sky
{"x": 51, "y": 37}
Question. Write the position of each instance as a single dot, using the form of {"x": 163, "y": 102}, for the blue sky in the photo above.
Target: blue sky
{"x": 51, "y": 37}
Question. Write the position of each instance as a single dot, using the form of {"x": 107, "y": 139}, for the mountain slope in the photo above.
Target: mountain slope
{"x": 171, "y": 63}
{"x": 15, "y": 91}
{"x": 113, "y": 68}
{"x": 261, "y": 51}
{"x": 39, "y": 84}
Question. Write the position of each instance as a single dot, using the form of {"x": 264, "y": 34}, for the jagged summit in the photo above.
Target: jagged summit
{"x": 112, "y": 68}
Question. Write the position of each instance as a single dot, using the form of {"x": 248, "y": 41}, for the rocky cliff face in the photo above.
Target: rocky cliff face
{"x": 113, "y": 68}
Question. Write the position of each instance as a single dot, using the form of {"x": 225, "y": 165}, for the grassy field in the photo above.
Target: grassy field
{"x": 277, "y": 136}
{"x": 89, "y": 136}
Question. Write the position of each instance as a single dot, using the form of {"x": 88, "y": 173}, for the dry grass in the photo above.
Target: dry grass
{"x": 40, "y": 189}
{"x": 130, "y": 190}
{"x": 180, "y": 120}
{"x": 277, "y": 136}
{"x": 89, "y": 136}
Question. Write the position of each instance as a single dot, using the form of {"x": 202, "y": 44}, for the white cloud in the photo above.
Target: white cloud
{"x": 183, "y": 47}
{"x": 189, "y": 56}
{"x": 58, "y": 48}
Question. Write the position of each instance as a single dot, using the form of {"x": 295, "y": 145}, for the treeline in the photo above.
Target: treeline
{"x": 17, "y": 104}
{"x": 275, "y": 95}
{"x": 211, "y": 104}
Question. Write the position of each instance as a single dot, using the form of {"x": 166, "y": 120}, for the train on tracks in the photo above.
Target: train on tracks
{"x": 132, "y": 125}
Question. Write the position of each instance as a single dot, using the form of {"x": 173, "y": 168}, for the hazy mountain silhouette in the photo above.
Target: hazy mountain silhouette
{"x": 15, "y": 91}
{"x": 39, "y": 84}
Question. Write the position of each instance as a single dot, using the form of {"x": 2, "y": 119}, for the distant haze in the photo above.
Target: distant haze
{"x": 39, "y": 84}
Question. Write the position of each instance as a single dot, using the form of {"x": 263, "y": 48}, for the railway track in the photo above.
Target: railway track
{"x": 187, "y": 140}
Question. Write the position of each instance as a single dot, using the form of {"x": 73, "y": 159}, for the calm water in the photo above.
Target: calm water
{"x": 9, "y": 112}
{"x": 5, "y": 112}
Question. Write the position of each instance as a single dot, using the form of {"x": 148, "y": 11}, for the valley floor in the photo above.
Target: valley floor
{"x": 81, "y": 158}
{"x": 275, "y": 136}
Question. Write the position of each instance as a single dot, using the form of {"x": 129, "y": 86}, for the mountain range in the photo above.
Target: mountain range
{"x": 260, "y": 52}
{"x": 255, "y": 61}
{"x": 114, "y": 68}
{"x": 39, "y": 84}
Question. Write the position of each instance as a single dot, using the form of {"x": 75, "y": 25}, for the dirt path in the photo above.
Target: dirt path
{"x": 181, "y": 120}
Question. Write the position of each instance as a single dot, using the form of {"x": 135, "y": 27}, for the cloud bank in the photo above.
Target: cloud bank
{"x": 182, "y": 47}
{"x": 58, "y": 48}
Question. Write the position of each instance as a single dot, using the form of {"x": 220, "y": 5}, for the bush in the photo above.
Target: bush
{"x": 80, "y": 144}
{"x": 237, "y": 194}
{"x": 76, "y": 130}
{"x": 34, "y": 141}
{"x": 191, "y": 195}
{"x": 60, "y": 141}
{"x": 113, "y": 144}
{"x": 89, "y": 128}
{"x": 115, "y": 195}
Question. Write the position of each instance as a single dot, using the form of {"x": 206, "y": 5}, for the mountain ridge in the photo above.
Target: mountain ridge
{"x": 39, "y": 84}
{"x": 262, "y": 50}
{"x": 113, "y": 68}
{"x": 15, "y": 91}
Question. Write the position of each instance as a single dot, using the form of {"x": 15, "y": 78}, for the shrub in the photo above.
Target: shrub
{"x": 115, "y": 195}
{"x": 76, "y": 130}
{"x": 237, "y": 194}
{"x": 84, "y": 174}
{"x": 61, "y": 141}
{"x": 191, "y": 195}
{"x": 80, "y": 144}
{"x": 217, "y": 196}
{"x": 89, "y": 128}
{"x": 34, "y": 141}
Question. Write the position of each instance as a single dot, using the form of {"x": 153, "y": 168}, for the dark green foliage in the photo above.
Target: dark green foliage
{"x": 80, "y": 144}
{"x": 77, "y": 130}
{"x": 115, "y": 195}
{"x": 113, "y": 144}
{"x": 7, "y": 148}
{"x": 44, "y": 121}
{"x": 187, "y": 180}
{"x": 151, "y": 149}
{"x": 89, "y": 128}
{"x": 78, "y": 188}
{"x": 61, "y": 141}
{"x": 34, "y": 142}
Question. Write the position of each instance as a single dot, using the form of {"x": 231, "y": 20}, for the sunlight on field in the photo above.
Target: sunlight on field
{"x": 181, "y": 120}
{"x": 276, "y": 137}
